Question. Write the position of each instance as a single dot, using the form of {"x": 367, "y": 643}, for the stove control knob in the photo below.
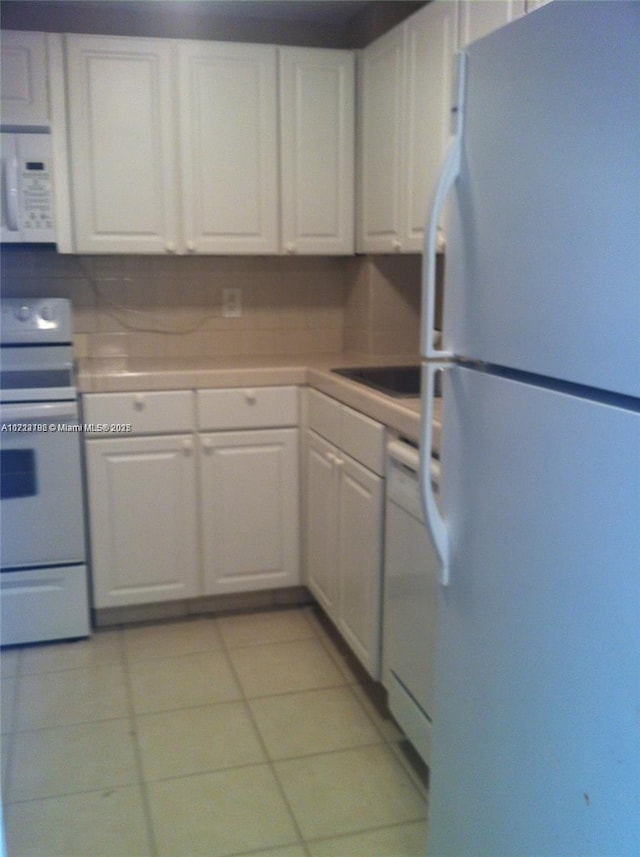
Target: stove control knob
{"x": 47, "y": 313}
{"x": 23, "y": 312}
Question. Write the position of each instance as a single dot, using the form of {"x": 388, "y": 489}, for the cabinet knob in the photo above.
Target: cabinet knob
{"x": 139, "y": 402}
{"x": 191, "y": 246}
{"x": 250, "y": 397}
{"x": 207, "y": 444}
{"x": 290, "y": 248}
{"x": 187, "y": 446}
{"x": 170, "y": 246}
{"x": 397, "y": 245}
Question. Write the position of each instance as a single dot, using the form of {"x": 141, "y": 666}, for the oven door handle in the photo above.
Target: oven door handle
{"x": 39, "y": 412}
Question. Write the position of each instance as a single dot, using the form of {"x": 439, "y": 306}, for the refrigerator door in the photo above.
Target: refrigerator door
{"x": 543, "y": 256}
{"x": 536, "y": 743}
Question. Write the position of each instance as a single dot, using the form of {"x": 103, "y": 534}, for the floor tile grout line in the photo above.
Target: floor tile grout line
{"x": 142, "y": 784}
{"x": 319, "y": 839}
{"x": 263, "y": 746}
{"x": 237, "y": 648}
{"x": 69, "y": 724}
{"x": 72, "y": 794}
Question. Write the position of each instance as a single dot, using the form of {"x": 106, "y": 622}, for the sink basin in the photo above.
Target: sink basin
{"x": 391, "y": 380}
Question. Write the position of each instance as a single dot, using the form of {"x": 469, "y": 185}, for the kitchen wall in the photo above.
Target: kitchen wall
{"x": 382, "y": 307}
{"x": 155, "y": 306}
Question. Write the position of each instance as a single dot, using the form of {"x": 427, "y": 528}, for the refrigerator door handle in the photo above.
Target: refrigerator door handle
{"x": 435, "y": 522}
{"x": 448, "y": 174}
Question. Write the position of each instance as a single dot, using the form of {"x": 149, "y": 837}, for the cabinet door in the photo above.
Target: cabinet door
{"x": 322, "y": 523}
{"x": 381, "y": 105}
{"x": 360, "y": 561}
{"x": 430, "y": 45}
{"x": 142, "y": 518}
{"x": 123, "y": 166}
{"x": 24, "y": 99}
{"x": 478, "y": 18}
{"x": 250, "y": 510}
{"x": 228, "y": 123}
{"x": 317, "y": 121}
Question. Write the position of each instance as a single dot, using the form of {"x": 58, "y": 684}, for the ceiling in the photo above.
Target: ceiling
{"x": 325, "y": 23}
{"x": 326, "y": 12}
{"x": 329, "y": 12}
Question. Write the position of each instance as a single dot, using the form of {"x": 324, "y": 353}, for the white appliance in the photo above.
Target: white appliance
{"x": 410, "y": 598}
{"x": 43, "y": 572}
{"x": 536, "y": 736}
{"x": 27, "y": 189}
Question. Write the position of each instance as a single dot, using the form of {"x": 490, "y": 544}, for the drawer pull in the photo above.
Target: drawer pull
{"x": 187, "y": 446}
{"x": 250, "y": 397}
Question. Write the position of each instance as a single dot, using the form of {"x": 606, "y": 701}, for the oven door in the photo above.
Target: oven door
{"x": 41, "y": 506}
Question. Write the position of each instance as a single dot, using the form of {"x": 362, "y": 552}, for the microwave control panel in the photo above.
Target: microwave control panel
{"x": 37, "y": 197}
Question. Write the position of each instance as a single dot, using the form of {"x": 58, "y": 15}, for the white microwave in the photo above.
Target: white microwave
{"x": 27, "y": 188}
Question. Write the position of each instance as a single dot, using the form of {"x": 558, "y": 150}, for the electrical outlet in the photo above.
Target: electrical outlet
{"x": 232, "y": 303}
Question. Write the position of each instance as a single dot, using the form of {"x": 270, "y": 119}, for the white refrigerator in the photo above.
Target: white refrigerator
{"x": 536, "y": 727}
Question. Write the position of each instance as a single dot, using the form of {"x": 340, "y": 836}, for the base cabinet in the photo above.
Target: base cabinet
{"x": 322, "y": 523}
{"x": 249, "y": 510}
{"x": 345, "y": 517}
{"x": 142, "y": 512}
{"x": 200, "y": 497}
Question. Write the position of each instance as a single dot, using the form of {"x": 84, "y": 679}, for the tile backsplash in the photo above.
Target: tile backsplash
{"x": 382, "y": 309}
{"x": 157, "y": 306}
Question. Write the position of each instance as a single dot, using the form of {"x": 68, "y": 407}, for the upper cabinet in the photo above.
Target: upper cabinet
{"x": 189, "y": 147}
{"x": 137, "y": 138}
{"x": 24, "y": 98}
{"x": 228, "y": 124}
{"x": 405, "y": 100}
{"x": 478, "y": 18}
{"x": 381, "y": 87}
{"x": 123, "y": 158}
{"x": 317, "y": 114}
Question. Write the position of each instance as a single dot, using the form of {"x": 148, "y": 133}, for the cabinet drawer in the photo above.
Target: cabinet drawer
{"x": 147, "y": 413}
{"x": 363, "y": 439}
{"x": 324, "y": 416}
{"x": 247, "y": 407}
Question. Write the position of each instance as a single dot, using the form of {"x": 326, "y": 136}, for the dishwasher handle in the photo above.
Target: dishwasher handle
{"x": 405, "y": 454}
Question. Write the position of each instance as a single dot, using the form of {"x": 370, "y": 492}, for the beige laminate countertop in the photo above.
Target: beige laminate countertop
{"x": 133, "y": 374}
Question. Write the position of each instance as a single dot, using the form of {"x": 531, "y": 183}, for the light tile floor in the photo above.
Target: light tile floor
{"x": 237, "y": 735}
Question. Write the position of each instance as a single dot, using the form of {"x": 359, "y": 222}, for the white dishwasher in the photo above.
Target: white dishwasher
{"x": 410, "y": 596}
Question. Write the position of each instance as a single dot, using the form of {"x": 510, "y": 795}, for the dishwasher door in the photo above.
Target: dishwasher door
{"x": 410, "y": 598}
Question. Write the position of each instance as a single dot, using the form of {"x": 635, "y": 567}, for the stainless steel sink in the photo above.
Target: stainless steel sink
{"x": 399, "y": 381}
